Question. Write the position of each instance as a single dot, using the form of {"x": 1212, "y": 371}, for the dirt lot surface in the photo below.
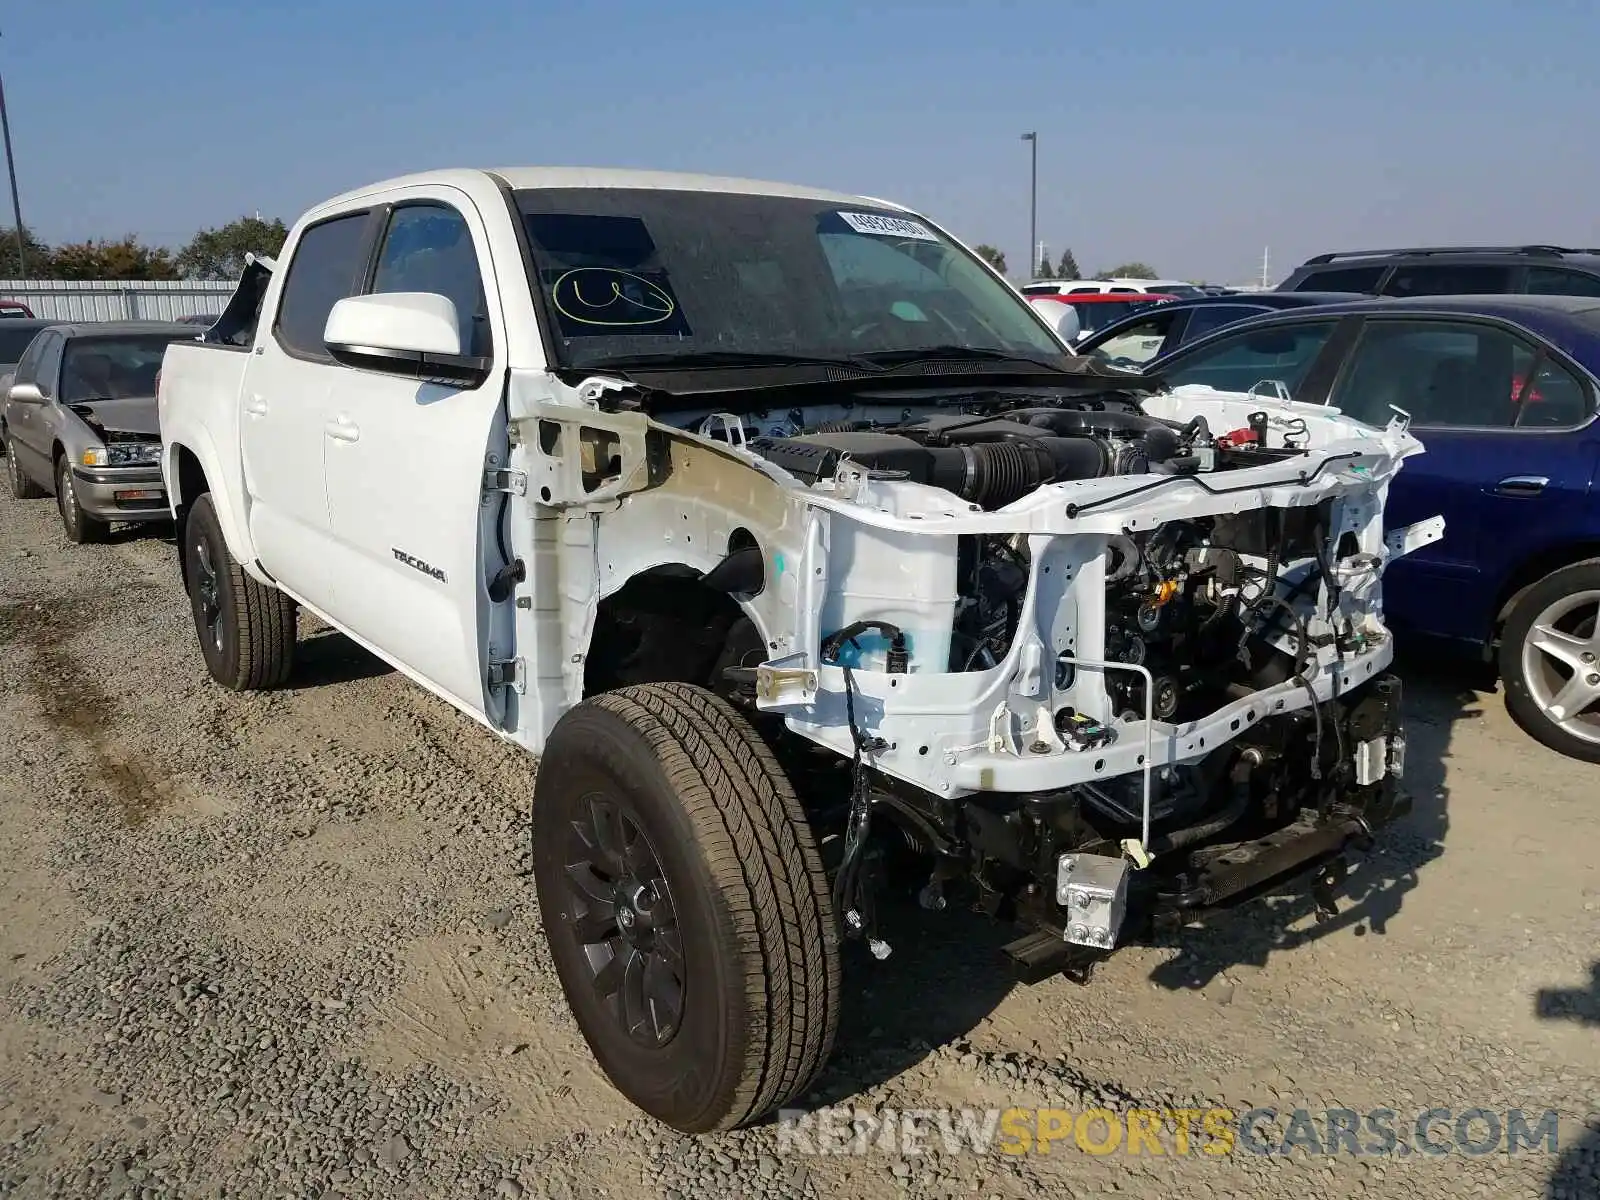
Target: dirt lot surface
{"x": 286, "y": 945}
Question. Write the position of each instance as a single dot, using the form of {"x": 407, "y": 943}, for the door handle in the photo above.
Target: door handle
{"x": 256, "y": 406}
{"x": 1522, "y": 485}
{"x": 342, "y": 429}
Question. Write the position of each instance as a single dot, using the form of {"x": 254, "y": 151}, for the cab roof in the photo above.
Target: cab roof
{"x": 534, "y": 178}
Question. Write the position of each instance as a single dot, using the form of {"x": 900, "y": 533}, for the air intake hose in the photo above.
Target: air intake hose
{"x": 994, "y": 474}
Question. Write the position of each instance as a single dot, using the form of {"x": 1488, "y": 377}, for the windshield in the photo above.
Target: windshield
{"x": 113, "y": 368}
{"x": 13, "y": 342}
{"x": 648, "y": 274}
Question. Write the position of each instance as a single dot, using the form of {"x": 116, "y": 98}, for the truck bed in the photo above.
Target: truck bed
{"x": 197, "y": 404}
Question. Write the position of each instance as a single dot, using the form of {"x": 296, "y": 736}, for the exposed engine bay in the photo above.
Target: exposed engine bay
{"x": 995, "y": 458}
{"x": 1102, "y": 656}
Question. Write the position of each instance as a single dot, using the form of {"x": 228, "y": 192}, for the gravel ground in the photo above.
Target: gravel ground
{"x": 286, "y": 945}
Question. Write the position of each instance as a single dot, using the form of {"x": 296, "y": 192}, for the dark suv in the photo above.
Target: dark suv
{"x": 1451, "y": 271}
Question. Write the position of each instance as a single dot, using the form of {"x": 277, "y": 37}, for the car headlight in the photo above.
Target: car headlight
{"x": 122, "y": 454}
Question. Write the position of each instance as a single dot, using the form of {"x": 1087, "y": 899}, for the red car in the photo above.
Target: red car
{"x": 14, "y": 308}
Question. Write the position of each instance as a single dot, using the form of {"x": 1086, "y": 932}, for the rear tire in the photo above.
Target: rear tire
{"x": 22, "y": 485}
{"x": 246, "y": 629}
{"x": 80, "y": 526}
{"x": 1550, "y": 661}
{"x": 685, "y": 906}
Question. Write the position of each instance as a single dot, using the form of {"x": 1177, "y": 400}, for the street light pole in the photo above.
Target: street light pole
{"x": 11, "y": 167}
{"x": 1033, "y": 207}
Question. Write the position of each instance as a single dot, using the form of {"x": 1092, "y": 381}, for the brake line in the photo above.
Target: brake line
{"x": 1078, "y": 510}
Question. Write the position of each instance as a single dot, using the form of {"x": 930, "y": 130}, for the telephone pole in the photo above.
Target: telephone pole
{"x": 11, "y": 167}
{"x": 1033, "y": 206}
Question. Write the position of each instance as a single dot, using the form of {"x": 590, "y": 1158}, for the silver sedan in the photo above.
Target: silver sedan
{"x": 79, "y": 422}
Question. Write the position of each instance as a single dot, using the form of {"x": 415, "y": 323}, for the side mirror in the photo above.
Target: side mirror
{"x": 408, "y": 333}
{"x": 26, "y": 393}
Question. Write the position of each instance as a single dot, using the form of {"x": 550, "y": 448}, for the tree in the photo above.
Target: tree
{"x": 127, "y": 258}
{"x": 995, "y": 258}
{"x": 1129, "y": 270}
{"x": 37, "y": 263}
{"x": 219, "y": 253}
{"x": 1068, "y": 267}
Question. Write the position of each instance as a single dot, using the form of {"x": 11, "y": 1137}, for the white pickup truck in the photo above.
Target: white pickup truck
{"x": 790, "y": 538}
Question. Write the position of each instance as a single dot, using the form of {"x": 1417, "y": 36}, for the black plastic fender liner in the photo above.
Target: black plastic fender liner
{"x": 742, "y": 571}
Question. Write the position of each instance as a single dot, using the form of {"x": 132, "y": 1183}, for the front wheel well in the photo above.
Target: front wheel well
{"x": 191, "y": 476}
{"x": 192, "y": 483}
{"x": 667, "y": 625}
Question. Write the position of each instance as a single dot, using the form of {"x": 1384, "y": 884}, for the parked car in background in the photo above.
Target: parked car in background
{"x": 207, "y": 319}
{"x": 1501, "y": 391}
{"x": 14, "y": 339}
{"x": 1076, "y": 316}
{"x": 1452, "y": 270}
{"x": 79, "y": 421}
{"x": 1145, "y": 336}
{"x": 1120, "y": 286}
{"x": 14, "y": 309}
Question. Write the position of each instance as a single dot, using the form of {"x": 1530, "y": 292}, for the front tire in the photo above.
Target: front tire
{"x": 246, "y": 629}
{"x": 22, "y": 485}
{"x": 80, "y": 526}
{"x": 685, "y": 905}
{"x": 1550, "y": 661}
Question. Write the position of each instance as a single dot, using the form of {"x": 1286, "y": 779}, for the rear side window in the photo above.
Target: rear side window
{"x": 1282, "y": 354}
{"x": 326, "y": 268}
{"x": 1553, "y": 281}
{"x": 1448, "y": 279}
{"x": 1457, "y": 374}
{"x": 1548, "y": 396}
{"x": 1342, "y": 279}
{"x": 28, "y": 364}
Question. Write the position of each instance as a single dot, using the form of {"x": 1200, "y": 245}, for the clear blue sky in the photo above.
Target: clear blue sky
{"x": 1186, "y": 133}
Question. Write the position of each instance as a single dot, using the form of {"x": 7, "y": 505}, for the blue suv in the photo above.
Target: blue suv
{"x": 1502, "y": 392}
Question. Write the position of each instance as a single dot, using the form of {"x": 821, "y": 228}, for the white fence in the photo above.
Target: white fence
{"x": 116, "y": 299}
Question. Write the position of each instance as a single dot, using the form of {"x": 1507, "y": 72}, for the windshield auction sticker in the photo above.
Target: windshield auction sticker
{"x": 886, "y": 226}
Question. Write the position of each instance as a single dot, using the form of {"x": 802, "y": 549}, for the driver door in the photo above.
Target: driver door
{"x": 404, "y": 463}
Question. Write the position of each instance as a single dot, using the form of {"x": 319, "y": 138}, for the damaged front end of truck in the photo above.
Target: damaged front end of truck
{"x": 1103, "y": 658}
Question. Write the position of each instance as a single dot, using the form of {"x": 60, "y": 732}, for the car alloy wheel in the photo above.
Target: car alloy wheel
{"x": 625, "y": 920}
{"x": 1561, "y": 664}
